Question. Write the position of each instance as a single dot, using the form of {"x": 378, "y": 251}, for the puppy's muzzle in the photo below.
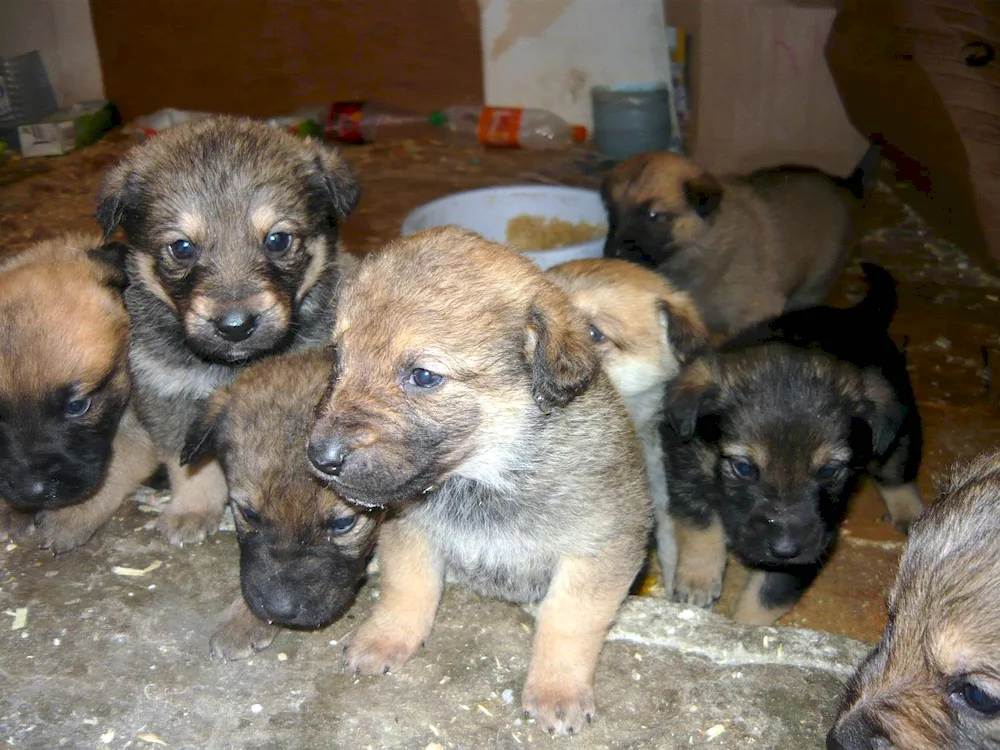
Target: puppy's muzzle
{"x": 857, "y": 732}
{"x": 327, "y": 456}
{"x": 236, "y": 324}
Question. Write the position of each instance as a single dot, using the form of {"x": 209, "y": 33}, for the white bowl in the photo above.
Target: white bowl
{"x": 487, "y": 211}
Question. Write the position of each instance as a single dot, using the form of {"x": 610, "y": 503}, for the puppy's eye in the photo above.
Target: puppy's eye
{"x": 596, "y": 334}
{"x": 742, "y": 468}
{"x": 424, "y": 378}
{"x": 343, "y": 524}
{"x": 830, "y": 471}
{"x": 978, "y": 699}
{"x": 182, "y": 249}
{"x": 77, "y": 407}
{"x": 248, "y": 513}
{"x": 653, "y": 215}
{"x": 277, "y": 243}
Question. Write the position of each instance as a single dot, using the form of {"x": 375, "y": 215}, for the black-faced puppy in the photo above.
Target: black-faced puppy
{"x": 644, "y": 330}
{"x": 303, "y": 548}
{"x": 746, "y": 247}
{"x": 465, "y": 396}
{"x": 71, "y": 448}
{"x": 233, "y": 229}
{"x": 934, "y": 680}
{"x": 768, "y": 438}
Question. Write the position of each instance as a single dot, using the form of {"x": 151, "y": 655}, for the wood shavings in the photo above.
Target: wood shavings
{"x": 713, "y": 732}
{"x": 20, "y": 616}
{"x": 151, "y": 738}
{"x": 136, "y": 572}
{"x": 108, "y": 737}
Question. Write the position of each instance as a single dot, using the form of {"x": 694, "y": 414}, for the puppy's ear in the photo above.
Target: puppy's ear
{"x": 338, "y": 177}
{"x": 703, "y": 194}
{"x": 562, "y": 356}
{"x": 204, "y": 434}
{"x": 692, "y": 396}
{"x": 686, "y": 332}
{"x": 110, "y": 261}
{"x": 882, "y": 411}
{"x": 117, "y": 197}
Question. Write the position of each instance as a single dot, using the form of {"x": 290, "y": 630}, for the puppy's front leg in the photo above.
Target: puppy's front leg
{"x": 903, "y": 503}
{"x": 701, "y": 562}
{"x": 412, "y": 576}
{"x": 240, "y": 633}
{"x": 573, "y": 619}
{"x": 198, "y": 497}
{"x": 14, "y": 524}
{"x": 768, "y": 595}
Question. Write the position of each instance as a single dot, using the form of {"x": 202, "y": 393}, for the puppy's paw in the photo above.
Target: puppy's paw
{"x": 65, "y": 529}
{"x": 188, "y": 528}
{"x": 376, "y": 651}
{"x": 240, "y": 637}
{"x": 15, "y": 524}
{"x": 697, "y": 591}
{"x": 559, "y": 708}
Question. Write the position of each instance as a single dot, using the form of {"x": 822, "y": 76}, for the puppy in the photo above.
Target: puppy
{"x": 745, "y": 247}
{"x": 303, "y": 549}
{"x": 934, "y": 680}
{"x": 644, "y": 331}
{"x": 468, "y": 397}
{"x": 233, "y": 231}
{"x": 768, "y": 438}
{"x": 71, "y": 449}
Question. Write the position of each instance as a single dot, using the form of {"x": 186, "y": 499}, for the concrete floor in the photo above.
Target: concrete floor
{"x": 106, "y": 660}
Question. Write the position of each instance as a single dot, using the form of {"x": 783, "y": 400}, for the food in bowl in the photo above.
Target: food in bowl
{"x": 530, "y": 232}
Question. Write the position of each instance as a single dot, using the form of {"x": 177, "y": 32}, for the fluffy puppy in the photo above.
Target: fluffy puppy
{"x": 746, "y": 247}
{"x": 303, "y": 549}
{"x": 465, "y": 393}
{"x": 768, "y": 438}
{"x": 934, "y": 680}
{"x": 71, "y": 449}
{"x": 644, "y": 330}
{"x": 233, "y": 232}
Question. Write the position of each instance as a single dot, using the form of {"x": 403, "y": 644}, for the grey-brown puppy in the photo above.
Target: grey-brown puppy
{"x": 303, "y": 548}
{"x": 644, "y": 330}
{"x": 71, "y": 448}
{"x": 468, "y": 397}
{"x": 934, "y": 680}
{"x": 746, "y": 247}
{"x": 233, "y": 230}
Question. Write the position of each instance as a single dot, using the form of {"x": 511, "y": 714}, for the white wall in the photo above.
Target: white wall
{"x": 549, "y": 53}
{"x": 63, "y": 32}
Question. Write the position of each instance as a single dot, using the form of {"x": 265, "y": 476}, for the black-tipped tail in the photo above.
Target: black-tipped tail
{"x": 879, "y": 305}
{"x": 860, "y": 181}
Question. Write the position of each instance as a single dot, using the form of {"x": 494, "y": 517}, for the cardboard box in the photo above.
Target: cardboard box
{"x": 67, "y": 129}
{"x": 760, "y": 89}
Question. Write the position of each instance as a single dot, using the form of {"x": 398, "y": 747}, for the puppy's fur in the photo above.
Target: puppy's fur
{"x": 644, "y": 330}
{"x": 745, "y": 247}
{"x": 71, "y": 449}
{"x": 768, "y": 438}
{"x": 233, "y": 228}
{"x": 303, "y": 549}
{"x": 934, "y": 680}
{"x": 469, "y": 397}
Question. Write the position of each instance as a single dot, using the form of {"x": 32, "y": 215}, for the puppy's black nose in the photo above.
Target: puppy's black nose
{"x": 280, "y": 605}
{"x": 33, "y": 489}
{"x": 785, "y": 548}
{"x": 327, "y": 456}
{"x": 236, "y": 325}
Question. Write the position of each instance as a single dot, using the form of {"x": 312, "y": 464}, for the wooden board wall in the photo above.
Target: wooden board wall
{"x": 268, "y": 57}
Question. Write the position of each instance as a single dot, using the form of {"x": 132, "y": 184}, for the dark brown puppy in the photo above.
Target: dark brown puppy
{"x": 465, "y": 394}
{"x": 71, "y": 449}
{"x": 746, "y": 247}
{"x": 233, "y": 229}
{"x": 303, "y": 549}
{"x": 934, "y": 680}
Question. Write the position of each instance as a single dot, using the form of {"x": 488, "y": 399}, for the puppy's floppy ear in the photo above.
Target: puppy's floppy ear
{"x": 117, "y": 197}
{"x": 686, "y": 331}
{"x": 206, "y": 430}
{"x": 562, "y": 356}
{"x": 692, "y": 395}
{"x": 339, "y": 178}
{"x": 881, "y": 410}
{"x": 110, "y": 260}
{"x": 703, "y": 194}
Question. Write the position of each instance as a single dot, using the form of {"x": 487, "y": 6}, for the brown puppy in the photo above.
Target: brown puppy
{"x": 303, "y": 549}
{"x": 468, "y": 397}
{"x": 233, "y": 231}
{"x": 745, "y": 247}
{"x": 71, "y": 449}
{"x": 644, "y": 330}
{"x": 934, "y": 680}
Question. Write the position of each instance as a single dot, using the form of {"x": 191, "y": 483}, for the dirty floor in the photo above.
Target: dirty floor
{"x": 86, "y": 626}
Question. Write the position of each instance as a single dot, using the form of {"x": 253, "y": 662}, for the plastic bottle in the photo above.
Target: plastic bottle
{"x": 535, "y": 129}
{"x": 354, "y": 121}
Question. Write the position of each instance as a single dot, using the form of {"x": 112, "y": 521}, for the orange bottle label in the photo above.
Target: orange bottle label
{"x": 498, "y": 126}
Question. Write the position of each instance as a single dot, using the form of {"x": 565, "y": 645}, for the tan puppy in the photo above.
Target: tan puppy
{"x": 71, "y": 449}
{"x": 934, "y": 680}
{"x": 468, "y": 398}
{"x": 745, "y": 247}
{"x": 644, "y": 330}
{"x": 303, "y": 548}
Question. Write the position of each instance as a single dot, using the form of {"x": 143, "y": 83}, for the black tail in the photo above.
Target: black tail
{"x": 860, "y": 181}
{"x": 879, "y": 305}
